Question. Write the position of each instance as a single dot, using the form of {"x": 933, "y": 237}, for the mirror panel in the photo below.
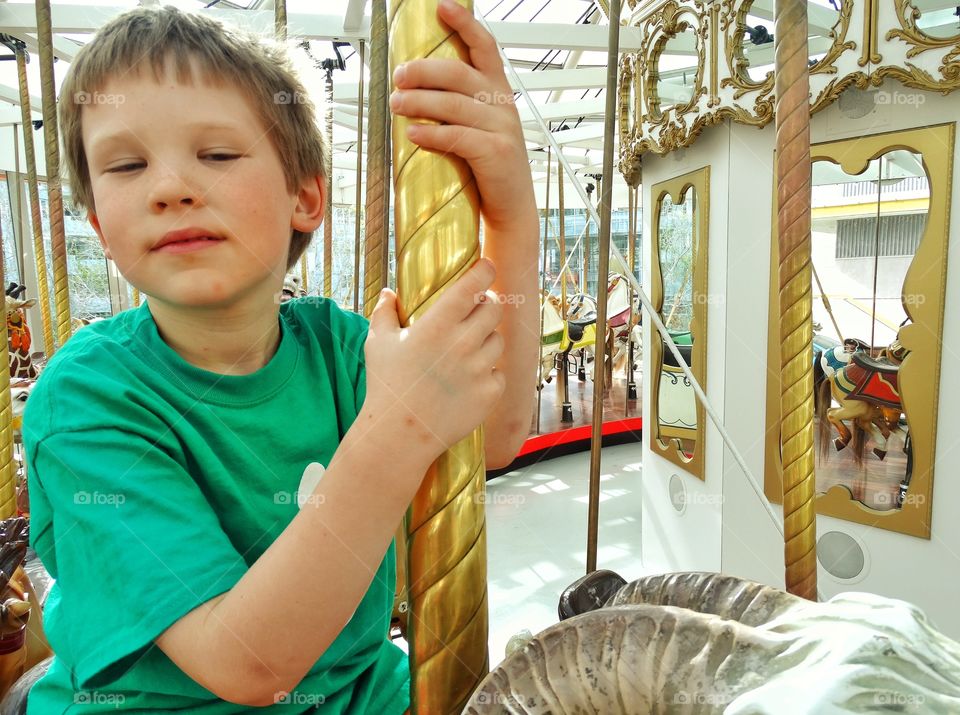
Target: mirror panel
{"x": 678, "y": 293}
{"x": 878, "y": 248}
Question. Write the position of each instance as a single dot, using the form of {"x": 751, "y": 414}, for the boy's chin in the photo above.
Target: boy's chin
{"x": 214, "y": 294}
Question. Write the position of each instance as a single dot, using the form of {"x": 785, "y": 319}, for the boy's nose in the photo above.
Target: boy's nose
{"x": 171, "y": 189}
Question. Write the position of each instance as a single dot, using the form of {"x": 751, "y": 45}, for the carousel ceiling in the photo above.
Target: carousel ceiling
{"x": 557, "y": 46}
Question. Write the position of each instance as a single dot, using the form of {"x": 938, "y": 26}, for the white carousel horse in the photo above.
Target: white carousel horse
{"x": 710, "y": 643}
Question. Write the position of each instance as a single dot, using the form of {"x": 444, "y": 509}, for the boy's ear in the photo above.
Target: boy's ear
{"x": 311, "y": 202}
{"x": 95, "y": 222}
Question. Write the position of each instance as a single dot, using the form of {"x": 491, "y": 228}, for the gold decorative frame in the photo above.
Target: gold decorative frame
{"x": 675, "y": 188}
{"x": 923, "y": 292}
{"x": 669, "y": 21}
{"x": 734, "y": 25}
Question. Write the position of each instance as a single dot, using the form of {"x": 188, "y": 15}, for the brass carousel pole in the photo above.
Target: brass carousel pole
{"x": 796, "y": 326}
{"x": 632, "y": 263}
{"x": 61, "y": 284}
{"x": 437, "y": 227}
{"x": 543, "y": 283}
{"x": 328, "y": 214}
{"x": 359, "y": 194}
{"x": 136, "y": 296}
{"x": 563, "y": 379}
{"x": 600, "y": 344}
{"x": 43, "y": 288}
{"x": 8, "y": 471}
{"x": 280, "y": 32}
{"x": 378, "y": 186}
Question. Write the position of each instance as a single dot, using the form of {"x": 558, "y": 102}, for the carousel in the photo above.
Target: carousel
{"x": 750, "y": 287}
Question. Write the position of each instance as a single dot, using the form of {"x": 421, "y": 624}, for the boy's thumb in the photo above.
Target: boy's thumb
{"x": 385, "y": 312}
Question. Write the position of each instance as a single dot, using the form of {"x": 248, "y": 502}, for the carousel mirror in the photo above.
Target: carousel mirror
{"x": 878, "y": 247}
{"x": 676, "y": 78}
{"x": 679, "y": 288}
{"x": 938, "y": 19}
{"x": 752, "y": 59}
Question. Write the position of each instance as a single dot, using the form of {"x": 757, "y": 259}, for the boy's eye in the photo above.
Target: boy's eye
{"x": 124, "y": 168}
{"x": 219, "y": 156}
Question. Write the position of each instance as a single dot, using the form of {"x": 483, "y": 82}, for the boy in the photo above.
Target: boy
{"x": 215, "y": 488}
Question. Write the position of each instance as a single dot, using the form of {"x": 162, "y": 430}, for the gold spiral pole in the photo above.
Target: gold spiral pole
{"x": 328, "y": 214}
{"x": 8, "y": 471}
{"x": 543, "y": 282}
{"x": 378, "y": 186}
{"x": 61, "y": 283}
{"x": 136, "y": 297}
{"x": 359, "y": 196}
{"x": 796, "y": 297}
{"x": 437, "y": 227}
{"x": 43, "y": 287}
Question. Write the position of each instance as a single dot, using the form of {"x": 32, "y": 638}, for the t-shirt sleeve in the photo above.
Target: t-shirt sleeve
{"x": 133, "y": 542}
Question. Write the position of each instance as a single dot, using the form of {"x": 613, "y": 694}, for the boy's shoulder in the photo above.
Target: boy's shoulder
{"x": 324, "y": 317}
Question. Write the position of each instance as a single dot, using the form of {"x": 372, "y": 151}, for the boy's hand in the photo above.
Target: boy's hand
{"x": 434, "y": 382}
{"x": 480, "y": 121}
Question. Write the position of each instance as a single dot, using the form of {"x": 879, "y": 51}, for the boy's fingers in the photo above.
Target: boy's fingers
{"x": 446, "y": 74}
{"x": 384, "y": 315}
{"x": 461, "y": 298}
{"x": 484, "y": 52}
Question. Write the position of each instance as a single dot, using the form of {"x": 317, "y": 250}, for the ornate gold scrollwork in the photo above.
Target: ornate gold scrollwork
{"x": 738, "y": 63}
{"x": 669, "y": 124}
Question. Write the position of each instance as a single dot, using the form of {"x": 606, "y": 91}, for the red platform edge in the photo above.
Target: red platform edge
{"x": 577, "y": 434}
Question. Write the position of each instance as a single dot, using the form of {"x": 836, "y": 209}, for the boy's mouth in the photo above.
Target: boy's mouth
{"x": 185, "y": 240}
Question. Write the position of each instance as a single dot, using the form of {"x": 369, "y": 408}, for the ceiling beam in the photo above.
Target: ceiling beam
{"x": 20, "y": 18}
{"x": 353, "y": 17}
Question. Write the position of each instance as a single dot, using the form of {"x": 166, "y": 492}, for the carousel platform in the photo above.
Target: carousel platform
{"x": 622, "y": 422}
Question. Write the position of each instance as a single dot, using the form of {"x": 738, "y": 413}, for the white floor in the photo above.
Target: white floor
{"x": 537, "y": 536}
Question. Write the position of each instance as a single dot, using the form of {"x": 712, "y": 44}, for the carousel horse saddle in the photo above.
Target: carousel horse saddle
{"x": 589, "y": 593}
{"x": 576, "y": 327}
{"x": 686, "y": 352}
{"x": 876, "y": 365}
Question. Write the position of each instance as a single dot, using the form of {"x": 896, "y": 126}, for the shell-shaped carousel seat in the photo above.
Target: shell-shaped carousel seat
{"x": 708, "y": 643}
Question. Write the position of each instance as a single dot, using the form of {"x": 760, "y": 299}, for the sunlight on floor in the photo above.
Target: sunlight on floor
{"x": 537, "y": 536}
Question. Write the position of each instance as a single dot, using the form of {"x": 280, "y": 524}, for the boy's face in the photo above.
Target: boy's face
{"x": 168, "y": 157}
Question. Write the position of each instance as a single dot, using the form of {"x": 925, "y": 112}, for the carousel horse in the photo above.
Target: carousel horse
{"x": 18, "y": 334}
{"x": 561, "y": 336}
{"x": 712, "y": 643}
{"x": 868, "y": 394}
{"x": 291, "y": 288}
{"x": 22, "y": 642}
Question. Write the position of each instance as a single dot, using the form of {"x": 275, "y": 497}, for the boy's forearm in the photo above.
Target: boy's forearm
{"x": 515, "y": 251}
{"x": 298, "y": 596}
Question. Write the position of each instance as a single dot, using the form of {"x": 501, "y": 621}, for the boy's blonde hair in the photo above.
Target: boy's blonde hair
{"x": 151, "y": 37}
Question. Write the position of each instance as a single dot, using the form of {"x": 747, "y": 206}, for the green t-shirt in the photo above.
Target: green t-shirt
{"x": 155, "y": 485}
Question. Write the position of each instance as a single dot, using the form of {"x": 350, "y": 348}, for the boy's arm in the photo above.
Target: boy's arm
{"x": 258, "y": 640}
{"x": 514, "y": 252}
{"x": 255, "y": 643}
